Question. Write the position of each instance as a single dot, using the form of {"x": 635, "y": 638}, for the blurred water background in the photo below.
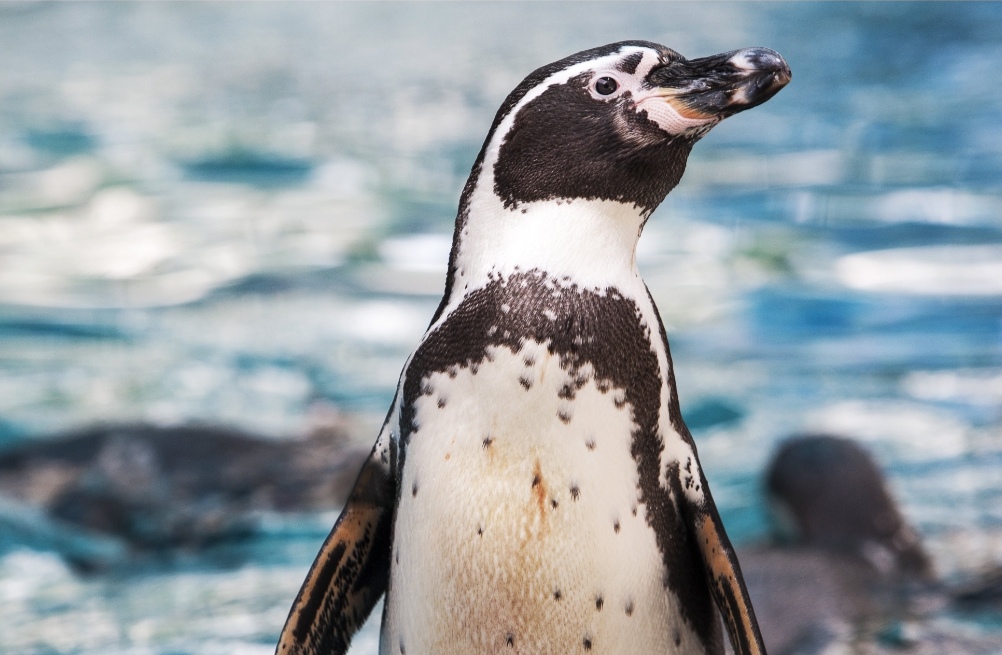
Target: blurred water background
{"x": 239, "y": 215}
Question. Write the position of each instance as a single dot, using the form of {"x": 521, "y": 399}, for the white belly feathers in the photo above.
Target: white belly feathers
{"x": 518, "y": 528}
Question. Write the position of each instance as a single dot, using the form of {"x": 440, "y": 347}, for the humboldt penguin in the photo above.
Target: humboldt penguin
{"x": 534, "y": 489}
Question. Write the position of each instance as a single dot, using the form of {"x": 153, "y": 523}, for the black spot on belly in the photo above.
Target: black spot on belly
{"x": 590, "y": 444}
{"x": 403, "y": 650}
{"x": 554, "y": 503}
{"x": 599, "y": 603}
{"x": 487, "y": 442}
{"x": 629, "y": 608}
{"x": 587, "y": 643}
{"x": 575, "y": 492}
{"x": 414, "y": 489}
{"x": 441, "y": 402}
{"x": 525, "y": 381}
{"x": 510, "y": 640}
{"x": 564, "y": 416}
{"x": 535, "y": 481}
{"x": 678, "y": 638}
{"x": 615, "y": 527}
{"x": 557, "y": 595}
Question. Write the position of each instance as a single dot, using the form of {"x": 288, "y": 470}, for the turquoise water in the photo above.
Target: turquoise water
{"x": 240, "y": 214}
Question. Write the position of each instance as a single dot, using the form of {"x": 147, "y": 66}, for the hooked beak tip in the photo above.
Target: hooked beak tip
{"x": 716, "y": 87}
{"x": 764, "y": 63}
{"x": 757, "y": 74}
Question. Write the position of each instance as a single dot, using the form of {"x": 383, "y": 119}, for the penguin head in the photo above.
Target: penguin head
{"x": 582, "y": 152}
{"x": 617, "y": 122}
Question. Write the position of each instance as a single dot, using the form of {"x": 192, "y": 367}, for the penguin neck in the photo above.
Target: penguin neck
{"x": 589, "y": 243}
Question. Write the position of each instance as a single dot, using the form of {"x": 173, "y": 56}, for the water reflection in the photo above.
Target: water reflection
{"x": 230, "y": 215}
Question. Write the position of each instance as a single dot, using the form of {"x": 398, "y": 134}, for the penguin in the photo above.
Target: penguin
{"x": 826, "y": 492}
{"x": 534, "y": 488}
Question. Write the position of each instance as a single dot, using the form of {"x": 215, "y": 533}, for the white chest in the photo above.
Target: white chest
{"x": 519, "y": 528}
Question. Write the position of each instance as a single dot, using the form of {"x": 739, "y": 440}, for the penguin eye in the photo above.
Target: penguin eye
{"x": 606, "y": 86}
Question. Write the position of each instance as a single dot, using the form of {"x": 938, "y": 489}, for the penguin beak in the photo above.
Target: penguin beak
{"x": 713, "y": 88}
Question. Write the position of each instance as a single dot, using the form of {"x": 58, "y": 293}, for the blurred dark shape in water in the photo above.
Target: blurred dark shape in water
{"x": 158, "y": 489}
{"x": 27, "y": 526}
{"x": 252, "y": 168}
{"x": 827, "y": 492}
{"x": 846, "y": 567}
{"x": 713, "y": 412}
{"x": 60, "y": 328}
{"x": 61, "y": 140}
{"x": 983, "y": 593}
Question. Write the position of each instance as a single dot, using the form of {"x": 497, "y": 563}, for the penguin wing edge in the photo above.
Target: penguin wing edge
{"x": 350, "y": 572}
{"x": 726, "y": 582}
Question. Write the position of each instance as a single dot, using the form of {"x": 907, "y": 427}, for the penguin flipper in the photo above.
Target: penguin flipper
{"x": 724, "y": 577}
{"x": 351, "y": 570}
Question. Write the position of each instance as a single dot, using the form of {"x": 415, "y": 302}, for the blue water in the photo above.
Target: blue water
{"x": 239, "y": 213}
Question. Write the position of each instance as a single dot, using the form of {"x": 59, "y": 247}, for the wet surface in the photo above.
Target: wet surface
{"x": 241, "y": 216}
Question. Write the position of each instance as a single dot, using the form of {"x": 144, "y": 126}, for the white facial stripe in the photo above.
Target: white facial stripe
{"x": 649, "y": 61}
{"x": 628, "y": 82}
{"x": 560, "y": 77}
{"x": 587, "y": 240}
{"x": 651, "y": 101}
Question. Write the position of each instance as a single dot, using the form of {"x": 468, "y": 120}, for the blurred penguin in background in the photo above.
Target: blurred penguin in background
{"x": 827, "y": 492}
